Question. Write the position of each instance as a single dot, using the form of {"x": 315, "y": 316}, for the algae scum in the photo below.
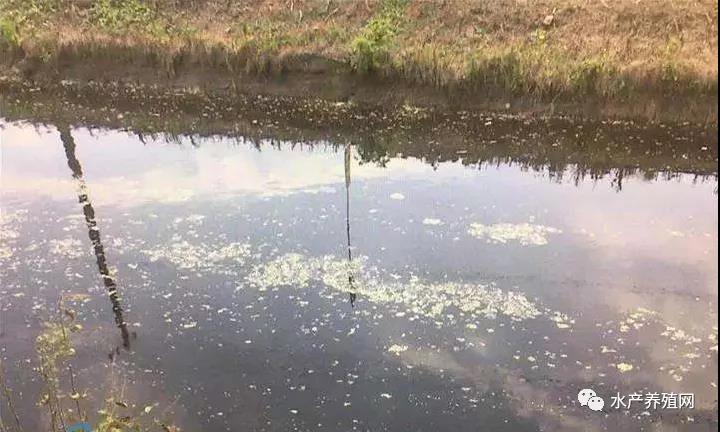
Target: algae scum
{"x": 209, "y": 284}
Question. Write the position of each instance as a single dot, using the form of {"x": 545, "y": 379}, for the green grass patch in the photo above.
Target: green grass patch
{"x": 435, "y": 64}
{"x": 264, "y": 35}
{"x": 24, "y": 17}
{"x": 594, "y": 76}
{"x": 120, "y": 17}
{"x": 371, "y": 48}
{"x": 503, "y": 70}
{"x": 543, "y": 69}
{"x": 9, "y": 33}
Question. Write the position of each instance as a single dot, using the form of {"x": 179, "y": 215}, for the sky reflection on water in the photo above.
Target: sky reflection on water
{"x": 481, "y": 296}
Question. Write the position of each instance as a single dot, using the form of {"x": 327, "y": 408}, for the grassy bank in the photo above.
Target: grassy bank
{"x": 550, "y": 50}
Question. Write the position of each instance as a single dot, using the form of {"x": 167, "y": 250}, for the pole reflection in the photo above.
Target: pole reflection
{"x": 94, "y": 232}
{"x": 351, "y": 280}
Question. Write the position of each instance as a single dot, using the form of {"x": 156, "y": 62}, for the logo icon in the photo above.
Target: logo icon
{"x": 590, "y": 399}
{"x": 79, "y": 427}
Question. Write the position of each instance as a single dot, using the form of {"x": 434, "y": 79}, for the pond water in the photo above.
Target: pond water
{"x": 254, "y": 285}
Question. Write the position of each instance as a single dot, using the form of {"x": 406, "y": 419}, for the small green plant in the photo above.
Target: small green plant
{"x": 116, "y": 14}
{"x": 371, "y": 49}
{"x": 28, "y": 14}
{"x": 539, "y": 36}
{"x": 116, "y": 17}
{"x": 9, "y": 33}
{"x": 671, "y": 72}
{"x": 53, "y": 347}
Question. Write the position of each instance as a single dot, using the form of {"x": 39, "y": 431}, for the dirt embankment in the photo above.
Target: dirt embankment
{"x": 649, "y": 58}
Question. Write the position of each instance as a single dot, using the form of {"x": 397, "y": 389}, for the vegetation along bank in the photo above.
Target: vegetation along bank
{"x": 650, "y": 58}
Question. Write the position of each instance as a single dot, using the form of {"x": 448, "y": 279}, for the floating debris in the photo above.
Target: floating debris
{"x": 526, "y": 234}
{"x": 624, "y": 367}
{"x": 412, "y": 295}
{"x": 397, "y": 349}
{"x": 201, "y": 257}
{"x": 562, "y": 321}
{"x": 67, "y": 247}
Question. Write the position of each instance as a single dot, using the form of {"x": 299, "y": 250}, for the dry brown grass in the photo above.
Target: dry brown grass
{"x": 602, "y": 47}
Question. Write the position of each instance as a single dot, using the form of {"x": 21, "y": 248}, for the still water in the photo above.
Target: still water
{"x": 254, "y": 285}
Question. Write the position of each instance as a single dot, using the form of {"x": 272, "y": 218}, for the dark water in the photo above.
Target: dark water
{"x": 229, "y": 285}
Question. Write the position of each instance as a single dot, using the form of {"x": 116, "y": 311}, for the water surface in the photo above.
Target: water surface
{"x": 237, "y": 284}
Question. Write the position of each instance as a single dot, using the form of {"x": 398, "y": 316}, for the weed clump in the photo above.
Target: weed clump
{"x": 26, "y": 17}
{"x": 115, "y": 16}
{"x": 9, "y": 33}
{"x": 66, "y": 403}
{"x": 53, "y": 348}
{"x": 371, "y": 49}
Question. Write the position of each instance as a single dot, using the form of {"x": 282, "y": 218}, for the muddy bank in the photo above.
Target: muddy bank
{"x": 313, "y": 77}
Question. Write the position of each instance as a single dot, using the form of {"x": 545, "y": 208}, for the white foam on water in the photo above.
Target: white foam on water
{"x": 525, "y": 233}
{"x": 411, "y": 297}
{"x": 200, "y": 257}
{"x": 68, "y": 247}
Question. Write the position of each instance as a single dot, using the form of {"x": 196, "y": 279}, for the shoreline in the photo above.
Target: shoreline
{"x": 593, "y": 147}
{"x": 319, "y": 78}
{"x": 311, "y": 77}
{"x": 630, "y": 60}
